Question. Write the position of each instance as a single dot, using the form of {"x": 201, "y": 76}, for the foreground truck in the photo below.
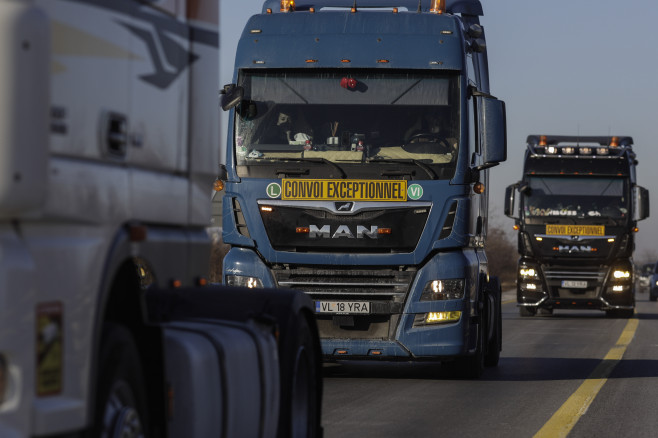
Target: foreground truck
{"x": 576, "y": 210}
{"x": 360, "y": 138}
{"x": 108, "y": 148}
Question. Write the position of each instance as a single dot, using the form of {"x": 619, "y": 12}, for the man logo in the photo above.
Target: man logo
{"x": 574, "y": 248}
{"x": 343, "y": 206}
{"x": 325, "y": 232}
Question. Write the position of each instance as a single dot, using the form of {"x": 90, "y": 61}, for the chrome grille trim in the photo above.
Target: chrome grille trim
{"x": 375, "y": 283}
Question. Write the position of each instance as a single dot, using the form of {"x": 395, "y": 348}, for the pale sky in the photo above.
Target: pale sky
{"x": 569, "y": 67}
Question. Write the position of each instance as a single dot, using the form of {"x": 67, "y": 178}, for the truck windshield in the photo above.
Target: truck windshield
{"x": 576, "y": 197}
{"x": 357, "y": 119}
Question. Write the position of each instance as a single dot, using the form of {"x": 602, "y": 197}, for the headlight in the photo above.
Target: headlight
{"x": 443, "y": 290}
{"x": 620, "y": 274}
{"x": 243, "y": 281}
{"x": 528, "y": 273}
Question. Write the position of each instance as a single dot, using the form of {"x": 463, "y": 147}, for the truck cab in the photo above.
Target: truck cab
{"x": 576, "y": 209}
{"x": 360, "y": 138}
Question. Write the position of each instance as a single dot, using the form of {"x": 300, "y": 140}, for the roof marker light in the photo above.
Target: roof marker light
{"x": 585, "y": 151}
{"x": 602, "y": 151}
{"x": 542, "y": 140}
{"x": 287, "y": 5}
{"x": 269, "y": 11}
{"x": 438, "y": 6}
{"x": 311, "y": 10}
{"x": 614, "y": 142}
{"x": 551, "y": 150}
{"x": 382, "y": 61}
{"x": 568, "y": 150}
{"x": 311, "y": 61}
{"x": 395, "y": 10}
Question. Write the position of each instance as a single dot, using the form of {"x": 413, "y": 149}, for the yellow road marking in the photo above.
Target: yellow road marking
{"x": 565, "y": 418}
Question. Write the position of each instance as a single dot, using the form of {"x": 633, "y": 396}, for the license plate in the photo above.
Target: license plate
{"x": 574, "y": 284}
{"x": 342, "y": 307}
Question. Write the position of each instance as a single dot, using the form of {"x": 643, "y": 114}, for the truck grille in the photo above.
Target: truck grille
{"x": 347, "y": 283}
{"x": 593, "y": 276}
{"x": 384, "y": 288}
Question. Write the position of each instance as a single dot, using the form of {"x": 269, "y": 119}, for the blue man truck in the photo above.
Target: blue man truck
{"x": 576, "y": 213}
{"x": 360, "y": 138}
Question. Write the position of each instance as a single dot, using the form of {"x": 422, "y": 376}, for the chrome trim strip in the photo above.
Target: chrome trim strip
{"x": 573, "y": 238}
{"x": 358, "y": 205}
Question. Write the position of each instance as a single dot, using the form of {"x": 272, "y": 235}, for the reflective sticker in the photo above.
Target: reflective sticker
{"x": 575, "y": 230}
{"x": 49, "y": 369}
{"x": 415, "y": 191}
{"x": 344, "y": 190}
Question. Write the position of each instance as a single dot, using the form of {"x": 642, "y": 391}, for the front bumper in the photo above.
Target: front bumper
{"x": 394, "y": 328}
{"x": 575, "y": 288}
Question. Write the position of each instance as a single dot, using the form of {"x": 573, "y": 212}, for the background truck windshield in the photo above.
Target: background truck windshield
{"x": 349, "y": 117}
{"x": 576, "y": 197}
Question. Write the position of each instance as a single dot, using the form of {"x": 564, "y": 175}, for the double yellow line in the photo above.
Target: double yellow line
{"x": 565, "y": 418}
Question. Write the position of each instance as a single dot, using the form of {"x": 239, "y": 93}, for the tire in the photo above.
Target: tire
{"x": 527, "y": 311}
{"x": 300, "y": 385}
{"x": 121, "y": 404}
{"x": 471, "y": 367}
{"x": 495, "y": 342}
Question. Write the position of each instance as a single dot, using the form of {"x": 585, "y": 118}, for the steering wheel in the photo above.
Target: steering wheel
{"x": 431, "y": 138}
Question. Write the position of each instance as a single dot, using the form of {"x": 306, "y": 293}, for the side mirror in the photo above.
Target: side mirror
{"x": 493, "y": 127}
{"x": 510, "y": 200}
{"x": 640, "y": 203}
{"x": 231, "y": 95}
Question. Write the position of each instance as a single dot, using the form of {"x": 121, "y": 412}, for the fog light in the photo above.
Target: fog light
{"x": 617, "y": 288}
{"x": 531, "y": 286}
{"x": 442, "y": 317}
{"x": 244, "y": 281}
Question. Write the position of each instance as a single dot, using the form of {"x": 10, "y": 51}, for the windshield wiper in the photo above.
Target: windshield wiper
{"x": 313, "y": 160}
{"x": 432, "y": 174}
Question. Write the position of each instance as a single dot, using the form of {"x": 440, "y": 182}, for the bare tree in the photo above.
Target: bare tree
{"x": 502, "y": 255}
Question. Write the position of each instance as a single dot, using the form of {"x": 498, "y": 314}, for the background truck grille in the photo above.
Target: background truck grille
{"x": 556, "y": 274}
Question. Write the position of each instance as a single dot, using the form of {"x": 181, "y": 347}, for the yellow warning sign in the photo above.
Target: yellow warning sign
{"x": 49, "y": 348}
{"x": 343, "y": 190}
{"x": 575, "y": 230}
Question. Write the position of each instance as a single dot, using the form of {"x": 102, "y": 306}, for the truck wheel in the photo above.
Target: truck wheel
{"x": 495, "y": 343}
{"x": 300, "y": 399}
{"x": 121, "y": 397}
{"x": 527, "y": 311}
{"x": 471, "y": 367}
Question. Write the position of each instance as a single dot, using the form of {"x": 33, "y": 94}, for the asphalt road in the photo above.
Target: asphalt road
{"x": 575, "y": 373}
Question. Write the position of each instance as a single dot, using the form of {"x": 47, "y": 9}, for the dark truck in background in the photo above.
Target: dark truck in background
{"x": 576, "y": 210}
